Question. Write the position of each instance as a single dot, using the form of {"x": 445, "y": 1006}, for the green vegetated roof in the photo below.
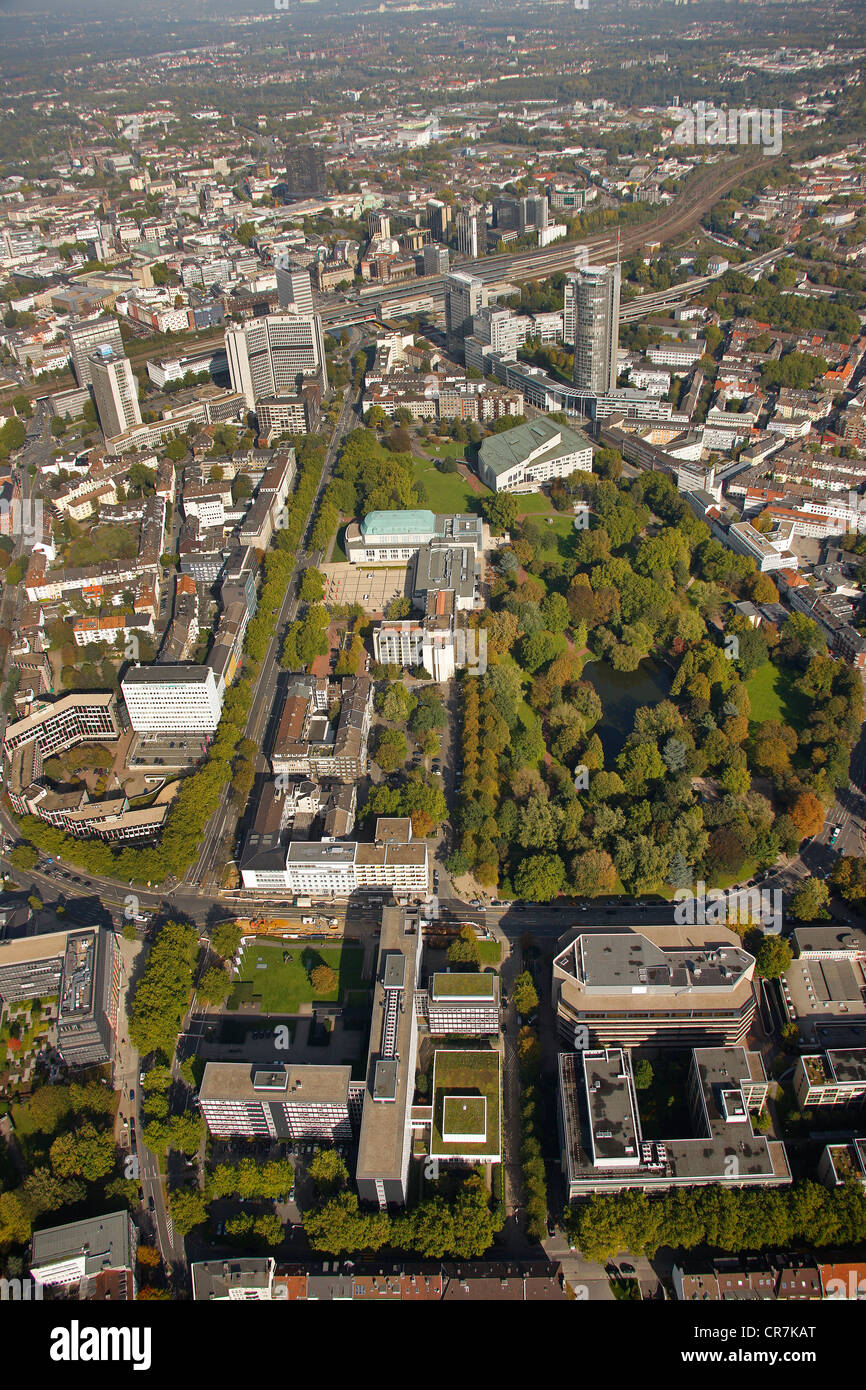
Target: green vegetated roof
{"x": 464, "y": 1115}
{"x": 468, "y": 1075}
{"x": 463, "y": 985}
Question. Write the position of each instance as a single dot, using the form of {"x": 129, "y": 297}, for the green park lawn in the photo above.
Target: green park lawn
{"x": 772, "y": 697}
{"x": 448, "y": 492}
{"x": 283, "y": 985}
{"x": 490, "y": 952}
{"x": 338, "y": 550}
{"x": 534, "y": 504}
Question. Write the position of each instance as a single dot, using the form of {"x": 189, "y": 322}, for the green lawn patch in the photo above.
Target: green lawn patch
{"x": 103, "y": 543}
{"x": 534, "y": 503}
{"x": 448, "y": 492}
{"x": 773, "y": 696}
{"x": 490, "y": 952}
{"x": 278, "y": 976}
{"x": 338, "y": 550}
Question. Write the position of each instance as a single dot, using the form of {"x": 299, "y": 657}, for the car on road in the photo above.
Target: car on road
{"x": 837, "y": 831}
{"x": 151, "y": 1204}
{"x": 551, "y": 1226}
{"x": 131, "y": 1094}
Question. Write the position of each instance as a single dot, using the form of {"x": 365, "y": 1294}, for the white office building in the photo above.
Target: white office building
{"x": 273, "y": 355}
{"x": 85, "y": 337}
{"x": 115, "y": 391}
{"x": 471, "y": 231}
{"x": 465, "y": 296}
{"x": 175, "y": 699}
{"x": 294, "y": 287}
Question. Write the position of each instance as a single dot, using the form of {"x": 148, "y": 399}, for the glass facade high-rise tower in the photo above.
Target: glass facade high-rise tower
{"x": 592, "y": 314}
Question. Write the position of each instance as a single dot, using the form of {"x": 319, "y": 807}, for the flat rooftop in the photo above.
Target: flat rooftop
{"x": 470, "y": 1074}
{"x": 298, "y": 1085}
{"x": 465, "y": 988}
{"x": 385, "y": 1137}
{"x": 605, "y": 1144}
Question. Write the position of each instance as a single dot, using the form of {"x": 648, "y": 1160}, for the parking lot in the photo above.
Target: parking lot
{"x": 371, "y": 588}
{"x": 166, "y": 750}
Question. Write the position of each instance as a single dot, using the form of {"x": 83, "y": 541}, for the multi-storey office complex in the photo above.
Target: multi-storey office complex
{"x": 292, "y": 1102}
{"x": 671, "y": 984}
{"x": 273, "y": 355}
{"x": 115, "y": 391}
{"x": 87, "y": 335}
{"x": 462, "y": 1003}
{"x": 81, "y": 968}
{"x": 838, "y": 1077}
{"x": 94, "y": 1257}
{"x": 385, "y": 1143}
{"x": 471, "y": 231}
{"x": 603, "y": 1147}
{"x": 305, "y": 170}
{"x": 295, "y": 287}
{"x": 68, "y": 721}
{"x": 175, "y": 698}
{"x": 465, "y": 296}
{"x": 594, "y": 293}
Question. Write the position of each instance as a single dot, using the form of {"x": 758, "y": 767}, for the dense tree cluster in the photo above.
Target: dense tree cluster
{"x": 722, "y": 1218}
{"x": 164, "y": 989}
{"x": 456, "y": 1224}
{"x": 702, "y": 787}
{"x": 70, "y": 1157}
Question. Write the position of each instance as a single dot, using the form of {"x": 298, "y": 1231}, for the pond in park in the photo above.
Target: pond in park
{"x": 621, "y": 693}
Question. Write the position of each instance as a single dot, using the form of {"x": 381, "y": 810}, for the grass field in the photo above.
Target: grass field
{"x": 447, "y": 492}
{"x": 535, "y": 503}
{"x": 772, "y": 697}
{"x": 338, "y": 550}
{"x": 490, "y": 952}
{"x": 103, "y": 543}
{"x": 278, "y": 976}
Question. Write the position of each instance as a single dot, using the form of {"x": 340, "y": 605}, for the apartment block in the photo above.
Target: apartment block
{"x": 308, "y": 744}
